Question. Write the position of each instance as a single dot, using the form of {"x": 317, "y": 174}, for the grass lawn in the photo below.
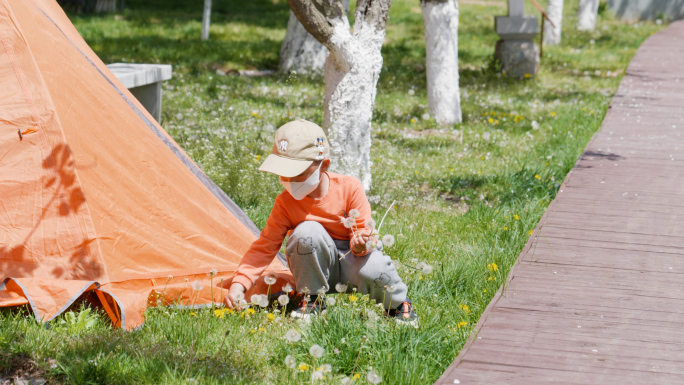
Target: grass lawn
{"x": 465, "y": 197}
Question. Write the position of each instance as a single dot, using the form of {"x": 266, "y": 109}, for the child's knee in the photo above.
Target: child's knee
{"x": 378, "y": 269}
{"x": 305, "y": 238}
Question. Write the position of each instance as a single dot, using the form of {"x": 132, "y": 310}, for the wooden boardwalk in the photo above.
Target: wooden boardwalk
{"x": 603, "y": 302}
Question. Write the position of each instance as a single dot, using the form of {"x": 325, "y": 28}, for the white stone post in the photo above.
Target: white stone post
{"x": 517, "y": 51}
{"x": 587, "y": 13}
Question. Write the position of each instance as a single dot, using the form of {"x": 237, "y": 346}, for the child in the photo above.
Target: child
{"x": 321, "y": 252}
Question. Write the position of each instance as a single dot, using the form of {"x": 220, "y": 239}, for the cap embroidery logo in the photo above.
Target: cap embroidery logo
{"x": 319, "y": 143}
{"x": 283, "y": 145}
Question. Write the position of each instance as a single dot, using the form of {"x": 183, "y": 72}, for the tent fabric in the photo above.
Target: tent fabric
{"x": 95, "y": 197}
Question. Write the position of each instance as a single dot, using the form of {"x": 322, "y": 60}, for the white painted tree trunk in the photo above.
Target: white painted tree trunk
{"x": 587, "y": 13}
{"x": 301, "y": 52}
{"x": 441, "y": 45}
{"x": 552, "y": 35}
{"x": 351, "y": 78}
{"x": 206, "y": 18}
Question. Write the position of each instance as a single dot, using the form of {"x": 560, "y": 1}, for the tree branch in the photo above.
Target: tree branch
{"x": 373, "y": 12}
{"x": 315, "y": 16}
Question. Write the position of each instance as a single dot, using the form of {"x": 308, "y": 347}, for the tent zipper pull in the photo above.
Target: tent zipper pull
{"x": 21, "y": 137}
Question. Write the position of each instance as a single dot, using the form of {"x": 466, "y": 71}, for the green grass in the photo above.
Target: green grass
{"x": 466, "y": 196}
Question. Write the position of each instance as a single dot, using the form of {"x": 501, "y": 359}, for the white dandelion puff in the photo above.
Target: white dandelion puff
{"x": 373, "y": 377}
{"x": 263, "y": 301}
{"x": 240, "y": 296}
{"x": 316, "y": 351}
{"x": 425, "y": 268}
{"x": 325, "y": 368}
{"x": 287, "y": 288}
{"x": 293, "y": 335}
{"x": 349, "y": 222}
{"x": 197, "y": 285}
{"x": 330, "y": 301}
{"x": 270, "y": 280}
{"x": 213, "y": 272}
{"x": 354, "y": 213}
{"x": 370, "y": 224}
{"x": 388, "y": 240}
{"x": 290, "y": 361}
{"x": 391, "y": 289}
{"x": 255, "y": 298}
{"x": 283, "y": 300}
{"x": 316, "y": 375}
{"x": 341, "y": 288}
{"x": 345, "y": 381}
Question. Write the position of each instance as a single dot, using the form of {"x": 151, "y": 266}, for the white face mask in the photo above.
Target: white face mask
{"x": 299, "y": 190}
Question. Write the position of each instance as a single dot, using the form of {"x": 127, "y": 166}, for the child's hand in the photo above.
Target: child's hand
{"x": 232, "y": 298}
{"x": 358, "y": 241}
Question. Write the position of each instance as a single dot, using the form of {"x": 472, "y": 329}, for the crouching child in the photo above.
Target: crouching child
{"x": 328, "y": 215}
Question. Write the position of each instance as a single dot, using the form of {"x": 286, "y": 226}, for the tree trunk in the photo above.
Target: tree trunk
{"x": 206, "y": 18}
{"x": 587, "y": 13}
{"x": 440, "y": 18}
{"x": 552, "y": 35}
{"x": 301, "y": 52}
{"x": 351, "y": 75}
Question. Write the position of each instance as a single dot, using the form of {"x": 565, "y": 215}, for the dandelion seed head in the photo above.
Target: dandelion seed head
{"x": 325, "y": 368}
{"x": 270, "y": 280}
{"x": 287, "y": 288}
{"x": 373, "y": 377}
{"x": 293, "y": 335}
{"x": 388, "y": 240}
{"x": 290, "y": 361}
{"x": 391, "y": 289}
{"x": 316, "y": 351}
{"x": 197, "y": 285}
{"x": 213, "y": 272}
{"x": 349, "y": 222}
{"x": 345, "y": 381}
{"x": 354, "y": 213}
{"x": 283, "y": 300}
{"x": 255, "y": 298}
{"x": 316, "y": 375}
{"x": 341, "y": 288}
{"x": 263, "y": 301}
{"x": 331, "y": 301}
{"x": 240, "y": 296}
{"x": 370, "y": 224}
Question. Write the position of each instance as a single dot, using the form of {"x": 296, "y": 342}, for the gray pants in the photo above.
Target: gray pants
{"x": 314, "y": 259}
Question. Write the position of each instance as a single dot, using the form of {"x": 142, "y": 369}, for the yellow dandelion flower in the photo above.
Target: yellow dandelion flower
{"x": 353, "y": 298}
{"x": 493, "y": 113}
{"x": 492, "y": 267}
{"x": 484, "y": 291}
{"x": 530, "y": 232}
{"x": 516, "y": 217}
{"x": 505, "y": 228}
{"x": 465, "y": 308}
{"x": 461, "y": 324}
{"x": 261, "y": 329}
{"x": 584, "y": 108}
{"x": 552, "y": 113}
{"x": 218, "y": 313}
{"x": 496, "y": 121}
{"x": 252, "y": 331}
{"x": 303, "y": 367}
{"x": 258, "y": 157}
{"x": 271, "y": 317}
{"x": 527, "y": 76}
{"x": 591, "y": 112}
{"x": 490, "y": 120}
{"x": 490, "y": 278}
{"x": 255, "y": 114}
{"x": 192, "y": 313}
{"x": 479, "y": 172}
{"x": 413, "y": 120}
{"x": 452, "y": 170}
{"x": 537, "y": 176}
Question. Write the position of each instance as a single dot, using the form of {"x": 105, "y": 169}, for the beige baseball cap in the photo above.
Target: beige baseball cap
{"x": 297, "y": 144}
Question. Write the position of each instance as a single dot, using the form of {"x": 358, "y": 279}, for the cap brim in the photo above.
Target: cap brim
{"x": 286, "y": 167}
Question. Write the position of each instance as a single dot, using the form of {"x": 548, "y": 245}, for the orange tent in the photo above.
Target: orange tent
{"x": 94, "y": 195}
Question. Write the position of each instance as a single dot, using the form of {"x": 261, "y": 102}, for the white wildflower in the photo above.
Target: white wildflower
{"x": 255, "y": 298}
{"x": 290, "y": 361}
{"x": 354, "y": 213}
{"x": 316, "y": 351}
{"x": 373, "y": 377}
{"x": 535, "y": 125}
{"x": 270, "y": 280}
{"x": 213, "y": 272}
{"x": 287, "y": 288}
{"x": 343, "y": 341}
{"x": 345, "y": 381}
{"x": 330, "y": 301}
{"x": 263, "y": 301}
{"x": 283, "y": 300}
{"x": 316, "y": 375}
{"x": 371, "y": 244}
{"x": 293, "y": 336}
{"x": 325, "y": 368}
{"x": 388, "y": 240}
{"x": 425, "y": 268}
{"x": 341, "y": 288}
{"x": 240, "y": 296}
{"x": 391, "y": 289}
{"x": 370, "y": 224}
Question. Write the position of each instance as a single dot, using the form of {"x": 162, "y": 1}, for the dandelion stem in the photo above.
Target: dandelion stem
{"x": 211, "y": 282}
{"x": 386, "y": 212}
{"x": 357, "y": 359}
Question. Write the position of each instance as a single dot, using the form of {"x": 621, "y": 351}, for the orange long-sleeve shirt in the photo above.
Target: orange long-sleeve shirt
{"x": 345, "y": 193}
